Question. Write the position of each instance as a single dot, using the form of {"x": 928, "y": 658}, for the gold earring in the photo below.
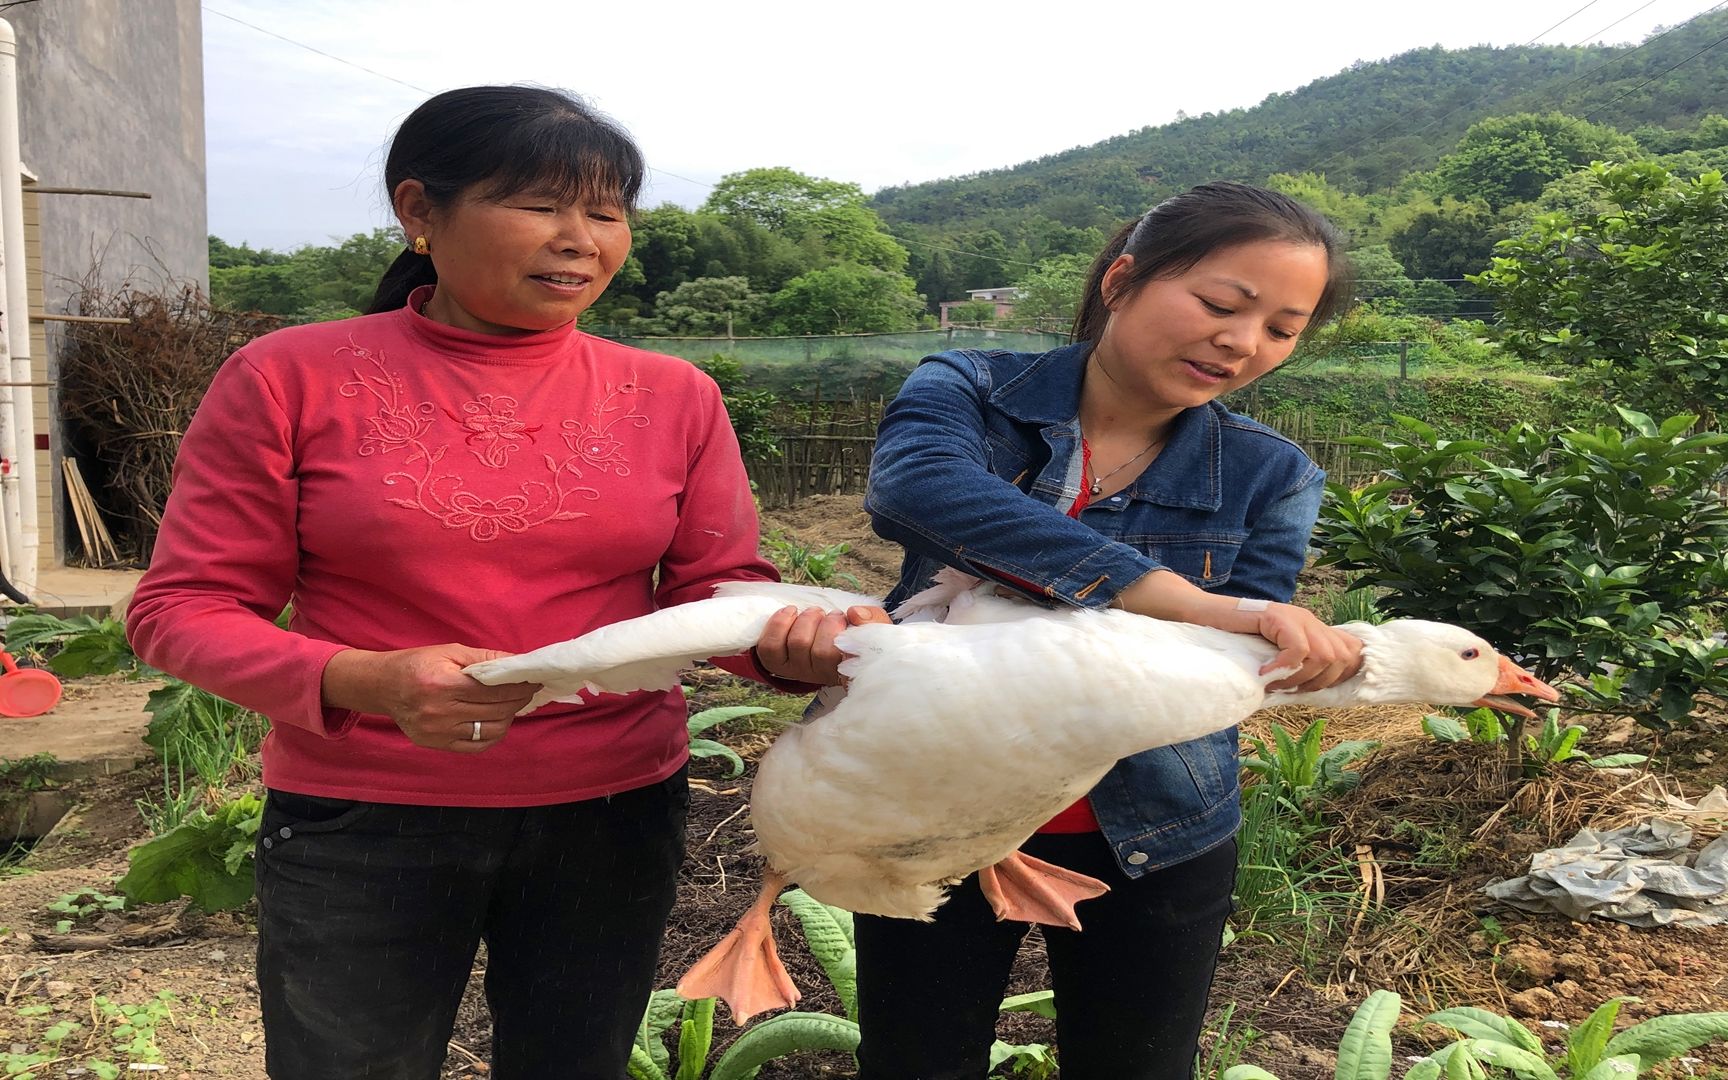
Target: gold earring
{"x": 421, "y": 247}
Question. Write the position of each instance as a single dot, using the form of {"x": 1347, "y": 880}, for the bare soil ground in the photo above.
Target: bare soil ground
{"x": 1431, "y": 825}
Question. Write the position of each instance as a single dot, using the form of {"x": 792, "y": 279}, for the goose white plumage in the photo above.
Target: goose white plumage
{"x": 964, "y": 728}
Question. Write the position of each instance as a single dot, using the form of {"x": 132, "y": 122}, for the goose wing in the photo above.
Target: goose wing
{"x": 650, "y": 651}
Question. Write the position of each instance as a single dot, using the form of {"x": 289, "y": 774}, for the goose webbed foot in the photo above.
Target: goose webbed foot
{"x": 744, "y": 970}
{"x": 1032, "y": 890}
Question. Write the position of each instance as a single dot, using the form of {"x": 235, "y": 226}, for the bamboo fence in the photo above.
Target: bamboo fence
{"x": 825, "y": 450}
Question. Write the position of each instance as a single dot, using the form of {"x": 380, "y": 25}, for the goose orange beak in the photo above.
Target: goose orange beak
{"x": 1515, "y": 680}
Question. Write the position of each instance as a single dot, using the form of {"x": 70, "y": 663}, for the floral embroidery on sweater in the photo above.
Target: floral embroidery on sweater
{"x": 494, "y": 433}
{"x": 489, "y": 427}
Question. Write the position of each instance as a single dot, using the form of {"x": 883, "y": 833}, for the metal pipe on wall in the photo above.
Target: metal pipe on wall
{"x": 21, "y": 568}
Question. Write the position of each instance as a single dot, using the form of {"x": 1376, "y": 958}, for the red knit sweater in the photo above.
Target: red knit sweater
{"x": 407, "y": 483}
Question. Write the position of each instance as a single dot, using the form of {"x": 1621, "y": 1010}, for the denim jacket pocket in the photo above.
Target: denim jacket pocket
{"x": 1203, "y": 559}
{"x": 1008, "y": 459}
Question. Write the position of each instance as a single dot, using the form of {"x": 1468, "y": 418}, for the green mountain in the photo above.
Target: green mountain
{"x": 1365, "y": 128}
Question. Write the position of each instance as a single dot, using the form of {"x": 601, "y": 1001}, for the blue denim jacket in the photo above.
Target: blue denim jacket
{"x": 976, "y": 462}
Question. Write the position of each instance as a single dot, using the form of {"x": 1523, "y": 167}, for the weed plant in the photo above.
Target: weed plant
{"x": 1291, "y": 887}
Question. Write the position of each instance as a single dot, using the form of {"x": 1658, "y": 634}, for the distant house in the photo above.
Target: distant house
{"x": 110, "y": 108}
{"x": 1003, "y": 297}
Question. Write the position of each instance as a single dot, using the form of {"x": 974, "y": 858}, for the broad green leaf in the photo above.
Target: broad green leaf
{"x": 642, "y": 1067}
{"x": 1639, "y": 422}
{"x": 705, "y": 748}
{"x": 1042, "y": 1002}
{"x": 1618, "y": 761}
{"x": 1663, "y": 1037}
{"x": 1461, "y": 1064}
{"x": 1024, "y": 1055}
{"x": 93, "y": 654}
{"x": 1429, "y": 1068}
{"x": 828, "y": 933}
{"x": 1481, "y": 1024}
{"x": 1624, "y": 1067}
{"x": 662, "y": 1012}
{"x": 1365, "y": 1051}
{"x": 707, "y": 718}
{"x": 778, "y": 1036}
{"x": 1514, "y": 1058}
{"x": 193, "y": 859}
{"x": 26, "y": 631}
{"x": 1585, "y": 1043}
{"x": 1247, "y": 1072}
{"x": 695, "y": 1038}
{"x": 1444, "y": 728}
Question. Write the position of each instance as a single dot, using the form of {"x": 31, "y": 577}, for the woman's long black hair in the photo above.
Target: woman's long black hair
{"x": 1183, "y": 229}
{"x": 495, "y": 141}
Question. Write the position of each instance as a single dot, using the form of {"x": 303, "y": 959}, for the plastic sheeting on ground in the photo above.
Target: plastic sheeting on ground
{"x": 1645, "y": 875}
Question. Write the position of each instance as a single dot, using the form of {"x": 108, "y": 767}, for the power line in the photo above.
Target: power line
{"x": 1374, "y": 177}
{"x": 311, "y": 49}
{"x": 1377, "y": 132}
{"x": 1658, "y": 75}
{"x": 1558, "y": 95}
{"x": 957, "y": 251}
{"x": 369, "y": 71}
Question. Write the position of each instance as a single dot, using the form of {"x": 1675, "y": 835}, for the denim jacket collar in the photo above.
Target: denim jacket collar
{"x": 1185, "y": 473}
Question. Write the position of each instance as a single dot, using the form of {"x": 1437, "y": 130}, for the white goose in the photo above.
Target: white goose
{"x": 955, "y": 740}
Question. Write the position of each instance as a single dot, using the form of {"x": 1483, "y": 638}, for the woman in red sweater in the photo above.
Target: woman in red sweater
{"x": 460, "y": 474}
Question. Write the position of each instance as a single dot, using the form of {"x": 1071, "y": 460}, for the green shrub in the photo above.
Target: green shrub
{"x": 1589, "y": 554}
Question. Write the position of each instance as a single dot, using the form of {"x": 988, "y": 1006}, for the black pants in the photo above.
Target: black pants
{"x": 370, "y": 915}
{"x": 1130, "y": 987}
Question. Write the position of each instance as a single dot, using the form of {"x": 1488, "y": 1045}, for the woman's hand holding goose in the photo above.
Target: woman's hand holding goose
{"x": 1322, "y": 655}
{"x": 799, "y": 645}
{"x": 1316, "y": 655}
{"x": 426, "y": 693}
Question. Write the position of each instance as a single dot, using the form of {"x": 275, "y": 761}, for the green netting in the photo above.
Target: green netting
{"x": 863, "y": 367}
{"x": 912, "y": 345}
{"x": 842, "y": 367}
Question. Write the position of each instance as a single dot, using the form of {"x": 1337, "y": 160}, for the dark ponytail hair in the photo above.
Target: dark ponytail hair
{"x": 1186, "y": 228}
{"x": 496, "y": 141}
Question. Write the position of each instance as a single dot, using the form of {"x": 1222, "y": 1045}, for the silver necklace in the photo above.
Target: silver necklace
{"x": 1098, "y": 481}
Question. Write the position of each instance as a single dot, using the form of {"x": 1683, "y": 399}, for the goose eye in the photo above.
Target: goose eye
{"x": 1470, "y": 654}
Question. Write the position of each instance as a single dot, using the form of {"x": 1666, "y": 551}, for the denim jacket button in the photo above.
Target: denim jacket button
{"x": 285, "y": 832}
{"x": 1138, "y": 858}
{"x": 268, "y": 843}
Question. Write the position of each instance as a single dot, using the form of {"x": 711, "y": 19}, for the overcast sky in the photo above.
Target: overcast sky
{"x": 876, "y": 93}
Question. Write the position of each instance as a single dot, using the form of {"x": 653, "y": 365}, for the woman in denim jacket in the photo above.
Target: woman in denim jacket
{"x": 1104, "y": 474}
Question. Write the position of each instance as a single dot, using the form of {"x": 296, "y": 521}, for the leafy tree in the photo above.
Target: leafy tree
{"x": 1051, "y": 293}
{"x": 1380, "y": 277}
{"x": 1358, "y": 215}
{"x": 846, "y": 299}
{"x": 776, "y": 198}
{"x": 1435, "y": 299}
{"x": 1506, "y": 159}
{"x": 224, "y": 256}
{"x": 853, "y": 233}
{"x": 830, "y": 216}
{"x": 1448, "y": 242}
{"x": 704, "y": 306}
{"x": 664, "y": 243}
{"x": 973, "y": 312}
{"x": 1633, "y": 296}
{"x": 309, "y": 284}
{"x": 935, "y": 275}
{"x": 751, "y": 411}
{"x": 345, "y": 276}
{"x": 271, "y": 288}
